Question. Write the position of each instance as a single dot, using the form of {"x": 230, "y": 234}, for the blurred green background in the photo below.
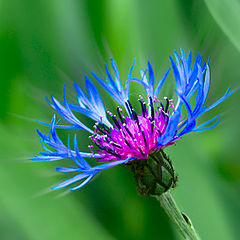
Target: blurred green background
{"x": 45, "y": 44}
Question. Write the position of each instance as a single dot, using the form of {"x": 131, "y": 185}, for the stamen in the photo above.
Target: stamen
{"x": 143, "y": 106}
{"x": 167, "y": 105}
{"x": 130, "y": 134}
{"x": 109, "y": 113}
{"x": 107, "y": 130}
{"x": 115, "y": 144}
{"x": 115, "y": 121}
{"x": 130, "y": 105}
{"x": 160, "y": 134}
{"x": 151, "y": 108}
{"x": 122, "y": 119}
{"x": 152, "y": 125}
{"x": 139, "y": 147}
{"x": 91, "y": 148}
{"x": 135, "y": 135}
{"x": 144, "y": 138}
{"x": 100, "y": 130}
{"x": 128, "y": 108}
{"x": 125, "y": 140}
{"x": 107, "y": 149}
{"x": 136, "y": 119}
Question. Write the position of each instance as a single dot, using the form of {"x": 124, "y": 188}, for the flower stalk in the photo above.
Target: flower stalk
{"x": 180, "y": 220}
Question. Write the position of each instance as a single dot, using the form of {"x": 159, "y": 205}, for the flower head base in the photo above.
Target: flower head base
{"x": 154, "y": 175}
{"x": 131, "y": 138}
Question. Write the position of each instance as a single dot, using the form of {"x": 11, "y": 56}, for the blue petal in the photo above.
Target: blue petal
{"x": 189, "y": 81}
{"x": 46, "y": 158}
{"x": 67, "y": 114}
{"x": 206, "y": 83}
{"x": 110, "y": 90}
{"x": 127, "y": 85}
{"x": 141, "y": 82}
{"x": 92, "y": 107}
{"x": 112, "y": 164}
{"x": 187, "y": 105}
{"x": 188, "y": 128}
{"x": 117, "y": 75}
{"x": 171, "y": 130}
{"x": 70, "y": 181}
{"x": 66, "y": 169}
{"x": 199, "y": 128}
{"x": 78, "y": 159}
{"x": 113, "y": 84}
{"x": 61, "y": 150}
{"x": 115, "y": 88}
{"x": 149, "y": 84}
{"x": 83, "y": 183}
{"x": 225, "y": 96}
{"x": 151, "y": 79}
{"x": 94, "y": 96}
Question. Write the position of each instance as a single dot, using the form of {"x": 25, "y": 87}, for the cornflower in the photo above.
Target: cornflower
{"x": 131, "y": 138}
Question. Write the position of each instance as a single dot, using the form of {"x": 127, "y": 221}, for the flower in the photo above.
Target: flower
{"x": 131, "y": 137}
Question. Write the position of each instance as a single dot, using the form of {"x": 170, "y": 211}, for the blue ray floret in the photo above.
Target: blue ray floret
{"x": 93, "y": 106}
{"x": 60, "y": 150}
{"x": 189, "y": 81}
{"x": 135, "y": 136}
{"x": 86, "y": 171}
{"x": 148, "y": 83}
{"x": 114, "y": 87}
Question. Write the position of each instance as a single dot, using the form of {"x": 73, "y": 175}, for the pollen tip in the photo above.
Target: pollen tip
{"x": 109, "y": 113}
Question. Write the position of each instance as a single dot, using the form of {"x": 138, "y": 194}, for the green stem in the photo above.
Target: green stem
{"x": 182, "y": 222}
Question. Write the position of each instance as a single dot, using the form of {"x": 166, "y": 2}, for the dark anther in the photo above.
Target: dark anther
{"x": 162, "y": 106}
{"x": 143, "y": 106}
{"x": 167, "y": 105}
{"x": 152, "y": 108}
{"x": 128, "y": 131}
{"x": 144, "y": 138}
{"x": 120, "y": 115}
{"x": 114, "y": 153}
{"x": 116, "y": 144}
{"x": 139, "y": 147}
{"x": 152, "y": 125}
{"x": 100, "y": 130}
{"x": 107, "y": 150}
{"x": 115, "y": 121}
{"x": 128, "y": 108}
{"x": 167, "y": 119}
{"x": 134, "y": 115}
{"x": 136, "y": 119}
{"x": 130, "y": 105}
{"x": 100, "y": 146}
{"x": 127, "y": 142}
{"x": 105, "y": 128}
